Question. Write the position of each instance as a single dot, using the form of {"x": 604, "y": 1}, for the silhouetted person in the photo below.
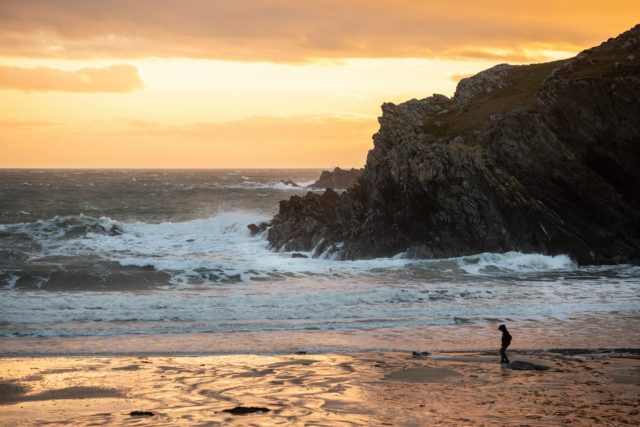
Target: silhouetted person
{"x": 506, "y": 340}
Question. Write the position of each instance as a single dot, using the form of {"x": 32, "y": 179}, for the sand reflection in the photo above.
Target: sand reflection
{"x": 321, "y": 390}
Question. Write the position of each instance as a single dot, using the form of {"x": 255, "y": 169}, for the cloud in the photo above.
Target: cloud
{"x": 295, "y": 31}
{"x": 116, "y": 78}
{"x": 25, "y": 124}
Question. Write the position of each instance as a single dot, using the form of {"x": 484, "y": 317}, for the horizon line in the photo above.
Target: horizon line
{"x": 171, "y": 168}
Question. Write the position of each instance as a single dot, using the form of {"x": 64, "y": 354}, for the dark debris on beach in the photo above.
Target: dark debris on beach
{"x": 245, "y": 410}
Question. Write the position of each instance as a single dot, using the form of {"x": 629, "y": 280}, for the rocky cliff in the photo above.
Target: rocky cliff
{"x": 337, "y": 178}
{"x": 535, "y": 158}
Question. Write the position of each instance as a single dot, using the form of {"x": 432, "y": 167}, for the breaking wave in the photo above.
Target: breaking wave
{"x": 281, "y": 185}
{"x": 490, "y": 263}
{"x": 64, "y": 227}
{"x": 103, "y": 252}
{"x": 168, "y": 254}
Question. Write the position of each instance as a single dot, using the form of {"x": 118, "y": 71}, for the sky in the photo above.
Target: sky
{"x": 253, "y": 83}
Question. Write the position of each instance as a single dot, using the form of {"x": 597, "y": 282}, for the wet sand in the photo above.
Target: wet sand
{"x": 367, "y": 389}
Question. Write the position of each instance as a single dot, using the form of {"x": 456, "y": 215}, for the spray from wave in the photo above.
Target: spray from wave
{"x": 491, "y": 263}
{"x": 212, "y": 250}
{"x": 168, "y": 253}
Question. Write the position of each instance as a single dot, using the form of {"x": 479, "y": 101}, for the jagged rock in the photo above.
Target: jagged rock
{"x": 337, "y": 179}
{"x": 253, "y": 229}
{"x": 536, "y": 158}
{"x": 482, "y": 84}
{"x": 257, "y": 229}
{"x": 298, "y": 255}
{"x": 289, "y": 183}
{"x": 302, "y": 221}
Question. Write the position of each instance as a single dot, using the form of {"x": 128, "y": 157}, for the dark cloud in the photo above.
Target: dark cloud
{"x": 294, "y": 30}
{"x": 116, "y": 78}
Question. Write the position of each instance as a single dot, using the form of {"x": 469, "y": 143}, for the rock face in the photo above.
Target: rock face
{"x": 536, "y": 158}
{"x": 338, "y": 179}
{"x": 303, "y": 221}
{"x": 483, "y": 83}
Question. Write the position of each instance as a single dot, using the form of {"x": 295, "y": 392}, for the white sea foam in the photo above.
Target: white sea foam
{"x": 342, "y": 303}
{"x": 12, "y": 280}
{"x": 61, "y": 226}
{"x": 489, "y": 263}
{"x": 252, "y": 185}
{"x": 76, "y": 275}
{"x": 280, "y": 185}
{"x": 220, "y": 248}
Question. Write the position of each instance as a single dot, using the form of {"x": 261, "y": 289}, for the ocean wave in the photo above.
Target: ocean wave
{"x": 64, "y": 227}
{"x": 252, "y": 185}
{"x": 221, "y": 250}
{"x": 490, "y": 263}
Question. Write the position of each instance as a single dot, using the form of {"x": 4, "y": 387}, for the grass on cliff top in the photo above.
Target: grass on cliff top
{"x": 602, "y": 62}
{"x": 523, "y": 82}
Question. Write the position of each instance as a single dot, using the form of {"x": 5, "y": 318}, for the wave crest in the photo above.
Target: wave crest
{"x": 488, "y": 263}
{"x": 220, "y": 249}
{"x": 65, "y": 227}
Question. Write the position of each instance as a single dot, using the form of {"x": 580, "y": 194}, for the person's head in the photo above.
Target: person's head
{"x": 502, "y": 328}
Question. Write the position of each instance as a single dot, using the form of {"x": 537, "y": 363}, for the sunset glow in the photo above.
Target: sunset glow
{"x": 212, "y": 84}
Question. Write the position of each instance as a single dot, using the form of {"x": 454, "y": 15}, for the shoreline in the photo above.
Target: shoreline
{"x": 560, "y": 351}
{"x": 589, "y": 330}
{"x": 581, "y": 387}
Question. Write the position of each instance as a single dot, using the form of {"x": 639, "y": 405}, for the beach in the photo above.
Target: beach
{"x": 363, "y": 389}
{"x": 321, "y": 213}
{"x": 134, "y": 290}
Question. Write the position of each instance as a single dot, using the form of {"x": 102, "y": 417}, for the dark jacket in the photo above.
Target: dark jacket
{"x": 506, "y": 338}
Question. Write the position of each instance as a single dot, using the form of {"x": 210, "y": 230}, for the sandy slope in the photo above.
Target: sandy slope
{"x": 322, "y": 390}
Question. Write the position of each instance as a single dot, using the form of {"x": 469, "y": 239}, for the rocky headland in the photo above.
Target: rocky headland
{"x": 337, "y": 179}
{"x": 535, "y": 158}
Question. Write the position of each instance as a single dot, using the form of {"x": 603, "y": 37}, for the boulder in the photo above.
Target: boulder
{"x": 257, "y": 228}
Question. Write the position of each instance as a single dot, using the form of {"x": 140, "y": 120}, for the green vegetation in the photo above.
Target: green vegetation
{"x": 519, "y": 94}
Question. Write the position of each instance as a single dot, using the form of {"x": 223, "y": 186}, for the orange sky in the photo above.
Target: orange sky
{"x": 279, "y": 83}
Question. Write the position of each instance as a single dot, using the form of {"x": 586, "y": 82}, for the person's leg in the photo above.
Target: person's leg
{"x": 503, "y": 355}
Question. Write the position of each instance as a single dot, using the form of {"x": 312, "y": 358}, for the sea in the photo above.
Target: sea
{"x": 101, "y": 262}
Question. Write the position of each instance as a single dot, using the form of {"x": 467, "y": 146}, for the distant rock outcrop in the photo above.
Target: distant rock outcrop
{"x": 337, "y": 179}
{"x": 289, "y": 183}
{"x": 535, "y": 158}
